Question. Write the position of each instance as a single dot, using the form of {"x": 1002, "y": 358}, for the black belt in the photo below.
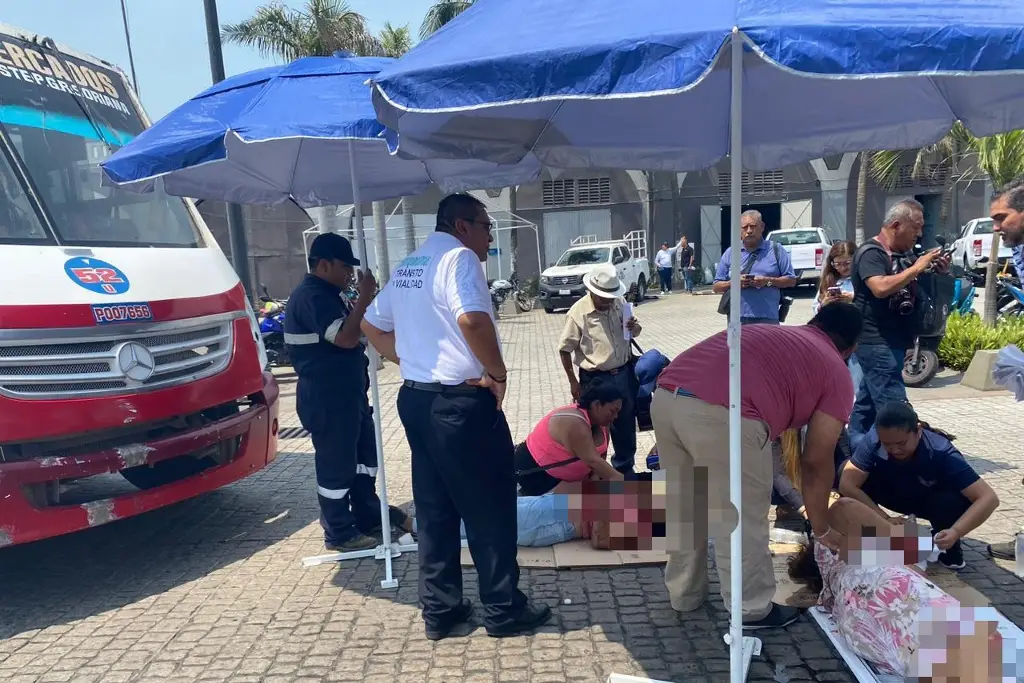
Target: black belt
{"x": 613, "y": 371}
{"x": 438, "y": 388}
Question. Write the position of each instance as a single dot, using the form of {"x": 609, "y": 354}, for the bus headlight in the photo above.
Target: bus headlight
{"x": 254, "y": 325}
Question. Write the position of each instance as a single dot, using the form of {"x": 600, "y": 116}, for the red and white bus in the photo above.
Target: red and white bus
{"x": 127, "y": 344}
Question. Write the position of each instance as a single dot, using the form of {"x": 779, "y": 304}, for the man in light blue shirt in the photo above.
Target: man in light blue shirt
{"x": 767, "y": 269}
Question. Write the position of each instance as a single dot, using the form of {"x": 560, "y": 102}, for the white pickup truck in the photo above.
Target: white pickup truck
{"x": 807, "y": 249}
{"x": 561, "y": 285}
{"x": 974, "y": 244}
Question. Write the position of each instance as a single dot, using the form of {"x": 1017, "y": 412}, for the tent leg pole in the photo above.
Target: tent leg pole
{"x": 736, "y": 665}
{"x": 389, "y": 580}
{"x": 536, "y": 240}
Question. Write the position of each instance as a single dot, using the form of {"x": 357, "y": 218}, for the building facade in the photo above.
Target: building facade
{"x": 547, "y": 215}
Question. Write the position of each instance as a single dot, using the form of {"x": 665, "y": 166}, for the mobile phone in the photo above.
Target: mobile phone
{"x": 748, "y": 276}
{"x": 834, "y": 291}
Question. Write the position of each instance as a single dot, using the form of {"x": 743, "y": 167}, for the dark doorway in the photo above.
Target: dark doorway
{"x": 770, "y": 213}
{"x": 932, "y": 204}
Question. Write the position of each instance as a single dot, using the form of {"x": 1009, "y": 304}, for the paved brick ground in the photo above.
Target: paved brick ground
{"x": 213, "y": 589}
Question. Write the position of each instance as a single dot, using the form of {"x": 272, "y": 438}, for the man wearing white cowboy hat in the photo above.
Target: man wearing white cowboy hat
{"x": 593, "y": 341}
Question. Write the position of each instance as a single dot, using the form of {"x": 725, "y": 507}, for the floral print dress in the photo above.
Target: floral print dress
{"x": 876, "y": 608}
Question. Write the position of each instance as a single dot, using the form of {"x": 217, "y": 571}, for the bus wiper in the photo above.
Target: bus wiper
{"x": 49, "y": 44}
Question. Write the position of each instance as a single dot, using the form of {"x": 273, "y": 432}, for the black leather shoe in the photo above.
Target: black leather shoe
{"x": 459, "y": 615}
{"x": 533, "y": 615}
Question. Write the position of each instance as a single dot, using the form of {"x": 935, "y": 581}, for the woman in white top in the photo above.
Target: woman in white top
{"x": 837, "y": 285}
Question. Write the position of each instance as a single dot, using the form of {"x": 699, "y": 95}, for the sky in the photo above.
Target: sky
{"x": 169, "y": 37}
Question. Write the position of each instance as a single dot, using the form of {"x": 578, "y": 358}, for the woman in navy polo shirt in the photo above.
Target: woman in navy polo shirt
{"x": 911, "y": 469}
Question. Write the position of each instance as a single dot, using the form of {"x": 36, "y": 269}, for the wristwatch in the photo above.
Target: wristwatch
{"x": 771, "y": 282}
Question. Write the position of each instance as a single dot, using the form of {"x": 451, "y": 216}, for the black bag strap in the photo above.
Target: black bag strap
{"x": 778, "y": 262}
{"x": 636, "y": 346}
{"x": 749, "y": 265}
{"x": 854, "y": 275}
{"x": 545, "y": 468}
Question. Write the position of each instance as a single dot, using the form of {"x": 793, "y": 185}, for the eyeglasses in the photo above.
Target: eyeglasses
{"x": 485, "y": 224}
{"x": 842, "y": 264}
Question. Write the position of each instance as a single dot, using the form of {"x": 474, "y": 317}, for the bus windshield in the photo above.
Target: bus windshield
{"x": 61, "y": 117}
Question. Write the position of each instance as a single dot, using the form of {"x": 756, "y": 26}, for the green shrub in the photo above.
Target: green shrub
{"x": 966, "y": 335}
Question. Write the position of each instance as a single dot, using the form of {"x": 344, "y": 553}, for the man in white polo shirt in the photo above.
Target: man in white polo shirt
{"x": 436, "y": 320}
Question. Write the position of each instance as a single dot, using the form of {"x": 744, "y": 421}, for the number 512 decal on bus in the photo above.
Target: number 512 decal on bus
{"x": 96, "y": 275}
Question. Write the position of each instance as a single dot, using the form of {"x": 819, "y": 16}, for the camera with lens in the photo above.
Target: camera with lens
{"x": 902, "y": 302}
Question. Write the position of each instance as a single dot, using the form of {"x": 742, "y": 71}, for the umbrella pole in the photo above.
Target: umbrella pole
{"x": 385, "y": 519}
{"x": 736, "y": 664}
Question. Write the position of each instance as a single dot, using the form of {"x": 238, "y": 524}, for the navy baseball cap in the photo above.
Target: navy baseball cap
{"x": 332, "y": 247}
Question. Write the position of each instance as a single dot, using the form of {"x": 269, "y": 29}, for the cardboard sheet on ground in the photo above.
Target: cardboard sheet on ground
{"x": 579, "y": 555}
{"x": 866, "y": 672}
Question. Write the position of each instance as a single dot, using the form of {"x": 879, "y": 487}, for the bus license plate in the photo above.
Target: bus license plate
{"x": 564, "y": 292}
{"x": 110, "y": 314}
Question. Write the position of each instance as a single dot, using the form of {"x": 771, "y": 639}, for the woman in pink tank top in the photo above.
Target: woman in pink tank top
{"x": 570, "y": 443}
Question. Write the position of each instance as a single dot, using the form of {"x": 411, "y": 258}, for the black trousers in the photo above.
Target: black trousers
{"x": 941, "y": 507}
{"x": 623, "y": 430}
{"x": 462, "y": 469}
{"x": 340, "y": 423}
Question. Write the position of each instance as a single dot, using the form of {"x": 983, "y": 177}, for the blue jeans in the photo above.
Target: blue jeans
{"x": 688, "y": 279}
{"x": 666, "y": 279}
{"x": 542, "y": 520}
{"x": 882, "y": 370}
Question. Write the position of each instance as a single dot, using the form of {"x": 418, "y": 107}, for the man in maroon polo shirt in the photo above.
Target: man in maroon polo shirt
{"x": 791, "y": 377}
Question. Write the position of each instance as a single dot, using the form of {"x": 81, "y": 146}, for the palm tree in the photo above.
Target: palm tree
{"x": 864, "y": 162}
{"x": 441, "y": 13}
{"x": 395, "y": 41}
{"x": 320, "y": 28}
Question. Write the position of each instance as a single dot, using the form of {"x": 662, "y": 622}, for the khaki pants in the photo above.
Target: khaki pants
{"x": 693, "y": 450}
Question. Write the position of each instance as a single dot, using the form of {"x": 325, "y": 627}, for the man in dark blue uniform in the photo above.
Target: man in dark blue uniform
{"x": 321, "y": 330}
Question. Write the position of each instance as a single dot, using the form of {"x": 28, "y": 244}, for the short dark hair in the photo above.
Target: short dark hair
{"x": 1013, "y": 192}
{"x": 842, "y": 322}
{"x": 598, "y": 391}
{"x": 456, "y": 206}
{"x": 897, "y": 415}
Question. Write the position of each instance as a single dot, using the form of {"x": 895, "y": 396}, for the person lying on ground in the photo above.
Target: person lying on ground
{"x": 905, "y": 465}
{"x": 890, "y": 613}
{"x": 622, "y": 516}
{"x": 570, "y": 443}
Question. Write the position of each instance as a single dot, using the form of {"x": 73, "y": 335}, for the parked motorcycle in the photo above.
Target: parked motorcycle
{"x": 271, "y": 322}
{"x": 1009, "y": 296}
{"x": 921, "y": 363}
{"x": 503, "y": 289}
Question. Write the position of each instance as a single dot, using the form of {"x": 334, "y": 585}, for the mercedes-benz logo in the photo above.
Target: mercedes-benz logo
{"x": 135, "y": 361}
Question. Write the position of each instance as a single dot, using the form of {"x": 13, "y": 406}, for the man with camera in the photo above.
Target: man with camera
{"x": 885, "y": 273}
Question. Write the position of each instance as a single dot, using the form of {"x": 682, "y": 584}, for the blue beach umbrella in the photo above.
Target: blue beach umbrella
{"x": 674, "y": 85}
{"x": 299, "y": 132}
{"x": 646, "y": 84}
